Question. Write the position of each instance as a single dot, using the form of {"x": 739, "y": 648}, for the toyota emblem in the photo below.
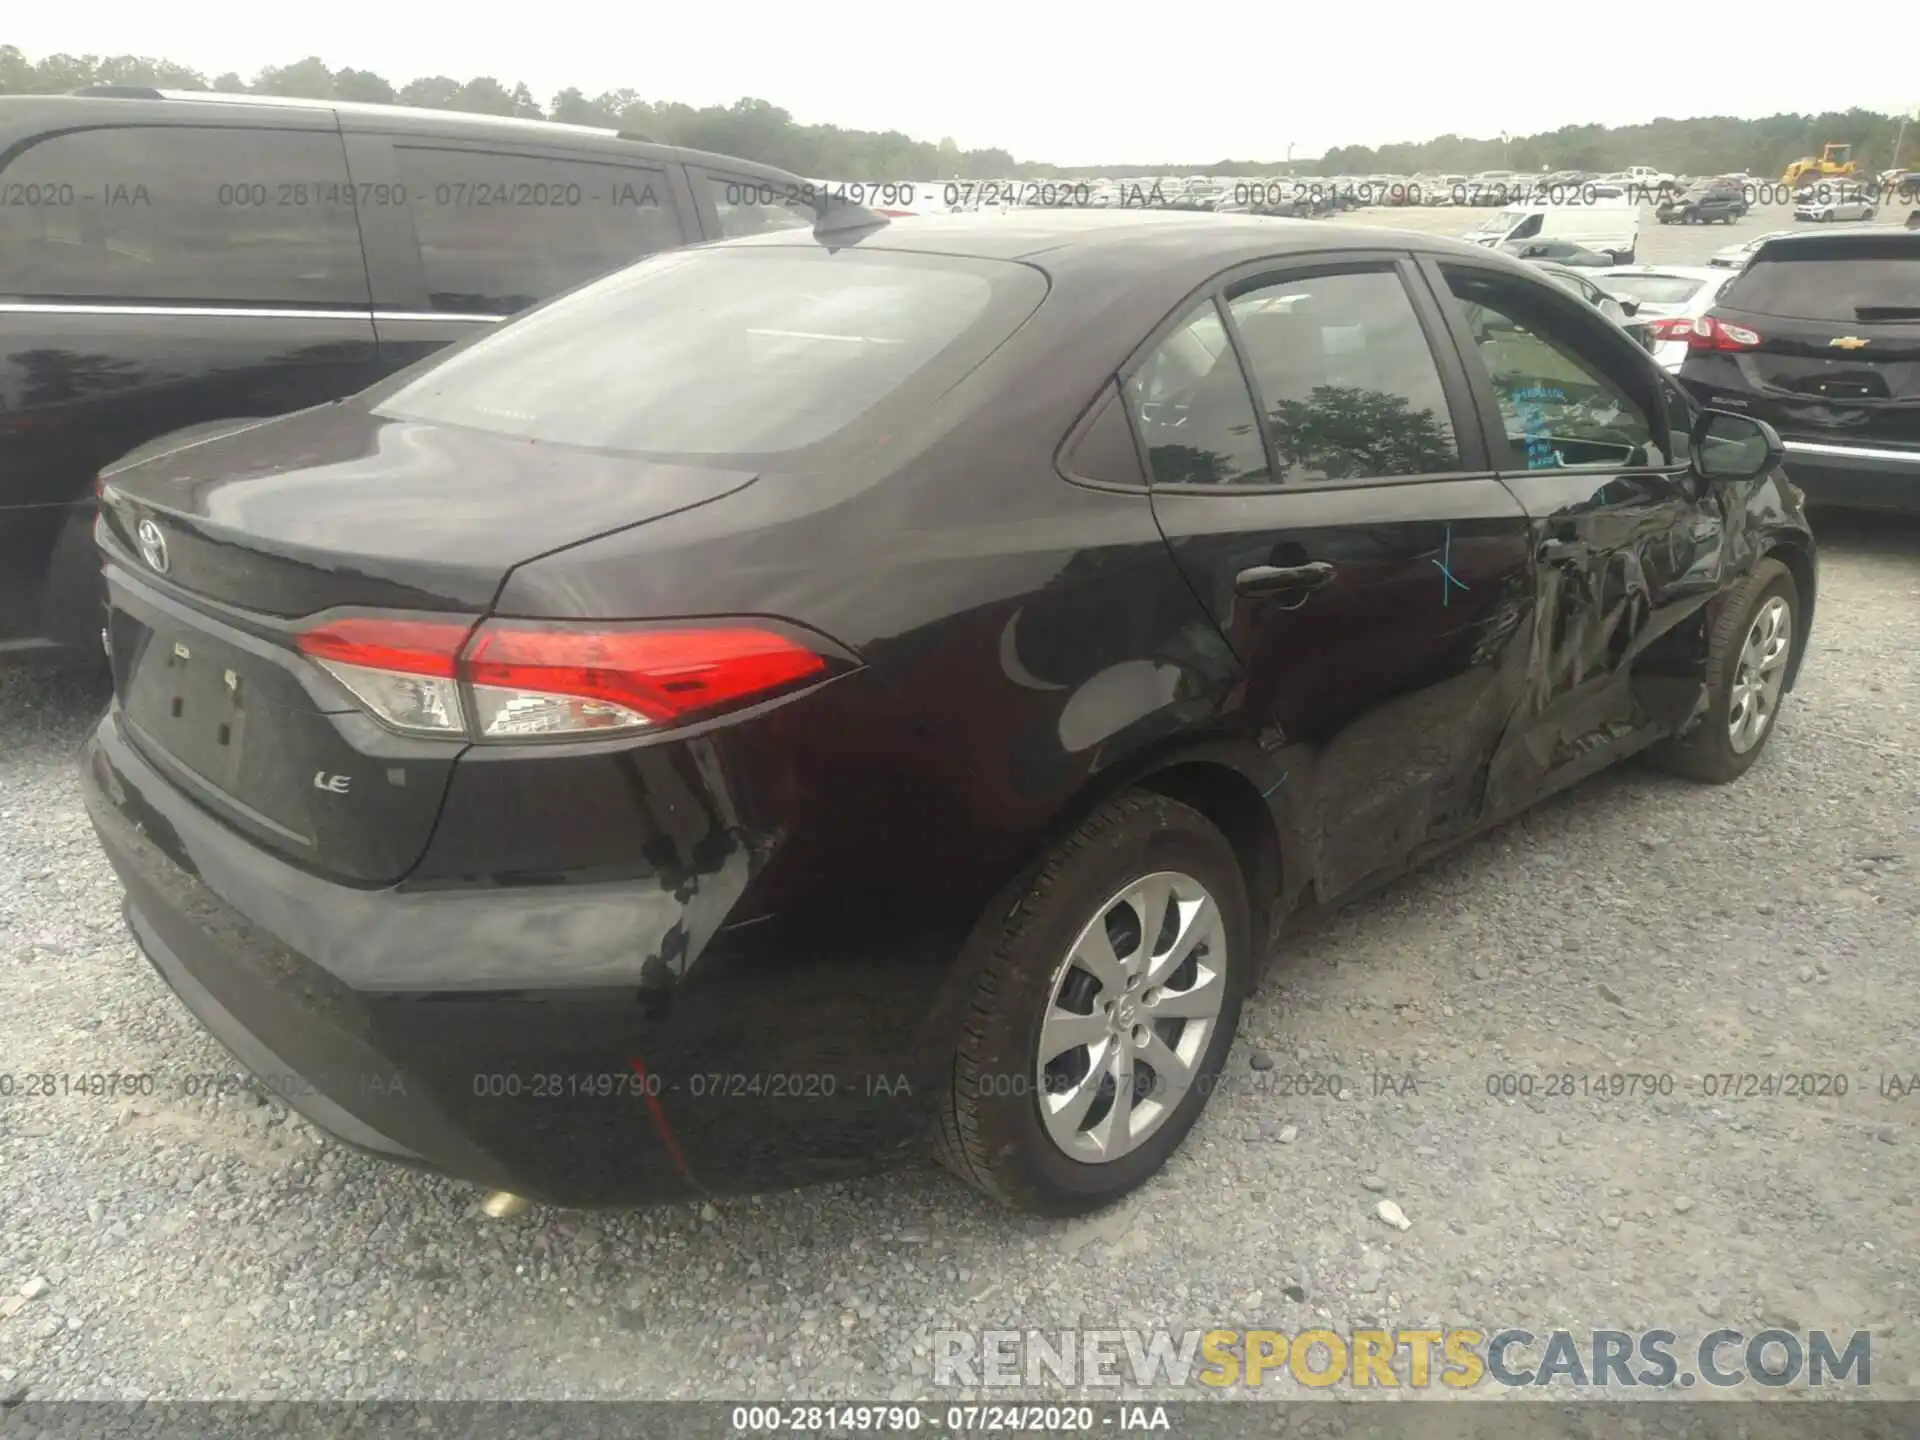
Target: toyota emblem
{"x": 153, "y": 545}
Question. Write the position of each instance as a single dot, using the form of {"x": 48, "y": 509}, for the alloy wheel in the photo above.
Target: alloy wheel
{"x": 1760, "y": 676}
{"x": 1130, "y": 1013}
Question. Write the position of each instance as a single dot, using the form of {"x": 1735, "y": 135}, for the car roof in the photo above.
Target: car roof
{"x": 1119, "y": 240}
{"x": 373, "y": 111}
{"x": 141, "y": 103}
{"x": 1786, "y": 242}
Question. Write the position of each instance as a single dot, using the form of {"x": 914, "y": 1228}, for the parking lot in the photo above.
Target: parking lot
{"x": 1659, "y": 244}
{"x": 178, "y": 1245}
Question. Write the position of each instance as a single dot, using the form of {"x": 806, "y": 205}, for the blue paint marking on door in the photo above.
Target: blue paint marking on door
{"x": 1447, "y": 579}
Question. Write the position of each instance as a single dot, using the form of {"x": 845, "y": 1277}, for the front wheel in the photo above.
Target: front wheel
{"x": 1104, "y": 1003}
{"x": 1747, "y": 661}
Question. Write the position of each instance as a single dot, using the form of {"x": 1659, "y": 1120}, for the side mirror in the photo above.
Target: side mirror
{"x": 1734, "y": 447}
{"x": 1631, "y": 307}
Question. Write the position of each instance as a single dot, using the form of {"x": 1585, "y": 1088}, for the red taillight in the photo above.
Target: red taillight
{"x": 1673, "y": 327}
{"x": 510, "y": 679}
{"x": 412, "y": 647}
{"x": 555, "y": 678}
{"x": 1710, "y": 333}
{"x": 401, "y": 670}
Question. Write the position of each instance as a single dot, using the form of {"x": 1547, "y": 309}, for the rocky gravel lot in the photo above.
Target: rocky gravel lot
{"x": 179, "y": 1247}
{"x": 196, "y": 1248}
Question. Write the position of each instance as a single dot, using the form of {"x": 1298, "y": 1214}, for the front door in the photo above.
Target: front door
{"x": 1626, "y": 542}
{"x": 1319, "y": 473}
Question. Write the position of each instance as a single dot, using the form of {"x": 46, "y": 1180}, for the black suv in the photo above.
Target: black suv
{"x": 173, "y": 259}
{"x": 1820, "y": 337}
{"x": 1703, "y": 205}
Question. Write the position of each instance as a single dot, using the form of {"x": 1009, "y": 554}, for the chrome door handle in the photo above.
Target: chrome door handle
{"x": 1278, "y": 579}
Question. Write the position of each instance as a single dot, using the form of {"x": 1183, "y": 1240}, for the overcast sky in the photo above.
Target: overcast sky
{"x": 1178, "y": 81}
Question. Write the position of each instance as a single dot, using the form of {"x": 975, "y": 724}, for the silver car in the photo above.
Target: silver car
{"x": 1839, "y": 202}
{"x": 1581, "y": 283}
{"x": 1735, "y": 256}
{"x": 1670, "y": 297}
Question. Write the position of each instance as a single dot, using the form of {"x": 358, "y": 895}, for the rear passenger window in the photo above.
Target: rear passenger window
{"x": 1348, "y": 380}
{"x": 753, "y": 207}
{"x": 1195, "y": 414}
{"x": 182, "y": 214}
{"x": 499, "y": 232}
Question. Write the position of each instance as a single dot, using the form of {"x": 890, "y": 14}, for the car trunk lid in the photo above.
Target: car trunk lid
{"x": 218, "y": 554}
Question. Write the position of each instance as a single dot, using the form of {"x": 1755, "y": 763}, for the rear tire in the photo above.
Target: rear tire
{"x": 1746, "y": 680}
{"x": 1086, "y": 909}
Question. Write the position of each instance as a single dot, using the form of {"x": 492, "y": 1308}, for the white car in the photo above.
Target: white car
{"x": 1837, "y": 202}
{"x": 1735, "y": 256}
{"x": 1582, "y": 284}
{"x": 1670, "y": 297}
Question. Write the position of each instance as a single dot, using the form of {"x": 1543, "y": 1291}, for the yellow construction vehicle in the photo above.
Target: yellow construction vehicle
{"x": 1835, "y": 159}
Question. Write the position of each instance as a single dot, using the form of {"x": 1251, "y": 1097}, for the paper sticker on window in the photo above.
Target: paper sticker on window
{"x": 1530, "y": 405}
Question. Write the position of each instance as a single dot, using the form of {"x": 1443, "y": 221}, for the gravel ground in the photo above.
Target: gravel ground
{"x": 210, "y": 1248}
{"x": 197, "y": 1248}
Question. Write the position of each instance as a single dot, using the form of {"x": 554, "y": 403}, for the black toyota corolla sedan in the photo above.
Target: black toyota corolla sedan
{"x": 803, "y": 699}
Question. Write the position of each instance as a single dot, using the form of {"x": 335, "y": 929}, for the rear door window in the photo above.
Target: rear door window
{"x": 501, "y": 231}
{"x": 1848, "y": 284}
{"x": 182, "y": 214}
{"x": 730, "y": 352}
{"x": 1349, "y": 384}
{"x": 753, "y": 207}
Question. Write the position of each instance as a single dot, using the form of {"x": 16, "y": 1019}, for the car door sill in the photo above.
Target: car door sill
{"x": 1309, "y": 916}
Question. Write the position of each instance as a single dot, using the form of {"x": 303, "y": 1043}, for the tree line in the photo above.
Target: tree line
{"x": 759, "y": 130}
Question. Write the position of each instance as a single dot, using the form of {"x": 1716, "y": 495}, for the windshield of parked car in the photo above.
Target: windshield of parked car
{"x": 727, "y": 351}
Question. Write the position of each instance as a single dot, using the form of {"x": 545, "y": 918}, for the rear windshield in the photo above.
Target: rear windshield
{"x": 734, "y": 350}
{"x": 1829, "y": 284}
{"x": 1652, "y": 289}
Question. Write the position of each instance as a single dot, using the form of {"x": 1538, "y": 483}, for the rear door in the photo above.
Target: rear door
{"x": 1835, "y": 356}
{"x": 1318, "y": 470}
{"x": 1625, "y": 543}
{"x": 156, "y": 276}
{"x": 464, "y": 234}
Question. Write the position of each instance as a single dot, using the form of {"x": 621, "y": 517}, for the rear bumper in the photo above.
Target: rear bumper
{"x": 528, "y": 1040}
{"x": 1855, "y": 476}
